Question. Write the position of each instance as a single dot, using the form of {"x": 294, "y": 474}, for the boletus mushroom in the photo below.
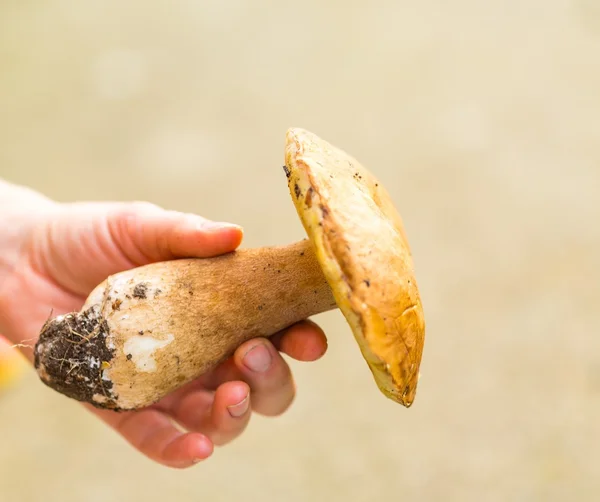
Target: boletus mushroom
{"x": 145, "y": 332}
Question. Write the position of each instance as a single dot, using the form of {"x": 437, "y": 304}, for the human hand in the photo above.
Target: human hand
{"x": 71, "y": 248}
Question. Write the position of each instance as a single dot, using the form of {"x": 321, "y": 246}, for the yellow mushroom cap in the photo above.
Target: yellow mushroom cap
{"x": 360, "y": 242}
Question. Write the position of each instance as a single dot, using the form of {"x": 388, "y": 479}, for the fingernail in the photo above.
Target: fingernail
{"x": 237, "y": 410}
{"x": 258, "y": 359}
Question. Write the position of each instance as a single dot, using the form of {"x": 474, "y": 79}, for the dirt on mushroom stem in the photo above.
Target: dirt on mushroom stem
{"x": 71, "y": 355}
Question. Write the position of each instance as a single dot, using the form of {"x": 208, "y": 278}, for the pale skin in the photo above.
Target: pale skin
{"x": 51, "y": 257}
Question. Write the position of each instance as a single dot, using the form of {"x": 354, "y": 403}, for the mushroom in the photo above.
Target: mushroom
{"x": 145, "y": 332}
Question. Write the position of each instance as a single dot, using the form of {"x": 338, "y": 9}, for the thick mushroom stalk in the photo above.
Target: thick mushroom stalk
{"x": 145, "y": 332}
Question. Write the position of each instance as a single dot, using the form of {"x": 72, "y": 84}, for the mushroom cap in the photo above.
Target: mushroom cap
{"x": 360, "y": 242}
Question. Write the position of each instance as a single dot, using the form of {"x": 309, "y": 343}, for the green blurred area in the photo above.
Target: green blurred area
{"x": 483, "y": 121}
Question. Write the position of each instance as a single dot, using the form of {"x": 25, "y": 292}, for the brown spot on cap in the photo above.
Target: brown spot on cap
{"x": 308, "y": 198}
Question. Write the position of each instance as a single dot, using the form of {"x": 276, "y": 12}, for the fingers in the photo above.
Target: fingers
{"x": 222, "y": 415}
{"x": 266, "y": 372}
{"x": 304, "y": 341}
{"x": 256, "y": 378}
{"x": 268, "y": 375}
{"x": 259, "y": 364}
{"x": 154, "y": 435}
{"x": 147, "y": 233}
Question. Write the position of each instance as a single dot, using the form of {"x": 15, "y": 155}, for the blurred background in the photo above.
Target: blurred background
{"x": 483, "y": 121}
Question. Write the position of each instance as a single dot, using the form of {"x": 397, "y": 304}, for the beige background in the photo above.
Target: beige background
{"x": 481, "y": 118}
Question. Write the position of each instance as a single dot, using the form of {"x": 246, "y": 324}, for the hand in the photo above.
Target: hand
{"x": 73, "y": 247}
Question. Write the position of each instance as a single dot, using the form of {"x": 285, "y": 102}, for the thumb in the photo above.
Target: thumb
{"x": 147, "y": 233}
{"x": 83, "y": 243}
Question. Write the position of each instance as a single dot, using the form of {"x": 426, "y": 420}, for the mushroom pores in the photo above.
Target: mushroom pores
{"x": 361, "y": 244}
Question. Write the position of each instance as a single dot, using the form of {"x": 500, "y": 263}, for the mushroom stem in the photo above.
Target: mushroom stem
{"x": 147, "y": 331}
